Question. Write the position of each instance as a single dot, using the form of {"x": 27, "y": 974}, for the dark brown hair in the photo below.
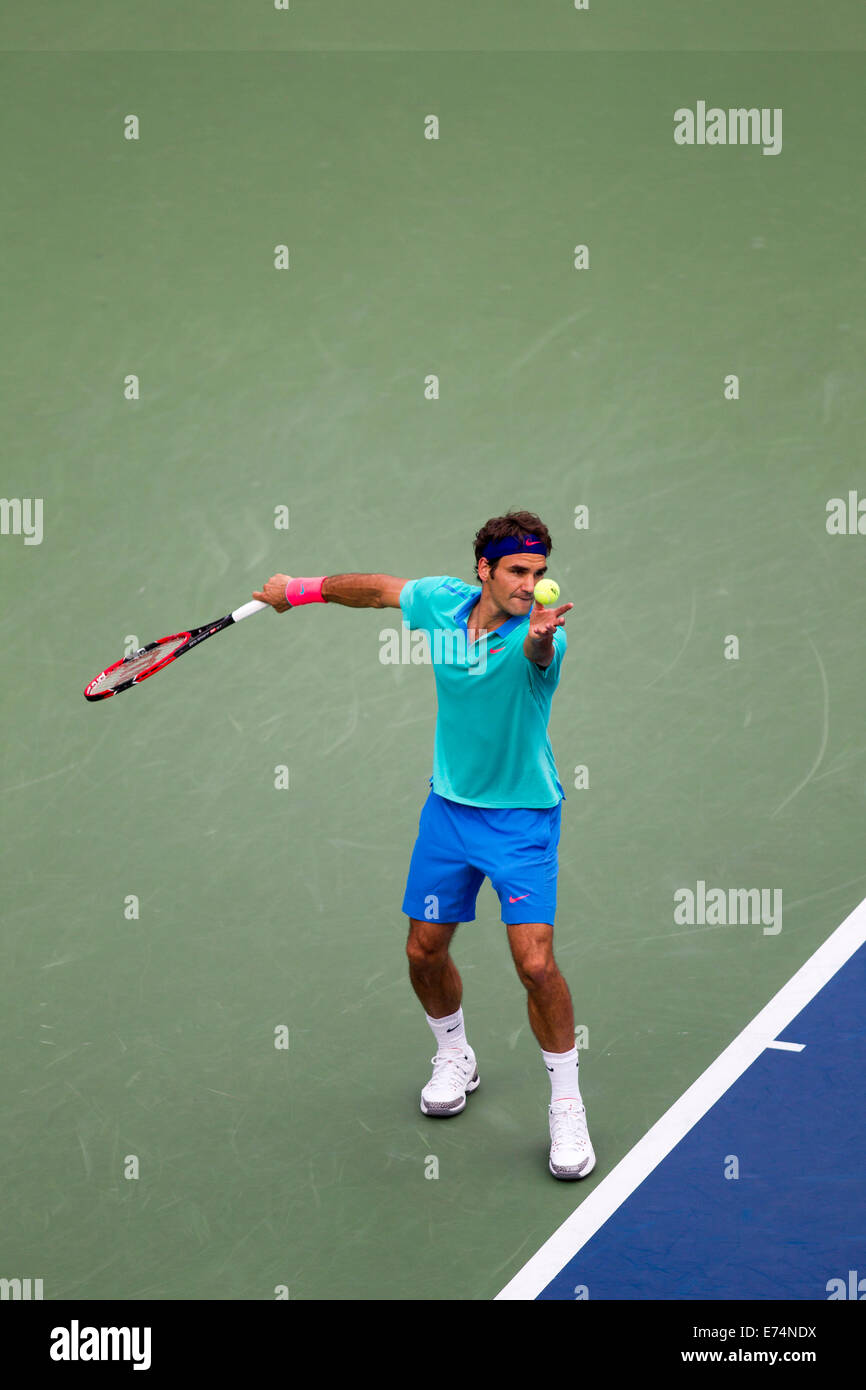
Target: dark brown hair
{"x": 518, "y": 524}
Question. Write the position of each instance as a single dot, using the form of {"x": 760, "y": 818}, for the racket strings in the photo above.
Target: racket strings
{"x": 136, "y": 665}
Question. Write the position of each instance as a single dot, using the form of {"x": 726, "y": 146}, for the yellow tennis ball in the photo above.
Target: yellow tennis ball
{"x": 546, "y": 592}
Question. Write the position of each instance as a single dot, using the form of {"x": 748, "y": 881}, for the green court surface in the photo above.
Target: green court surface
{"x": 154, "y": 1037}
{"x": 485, "y": 25}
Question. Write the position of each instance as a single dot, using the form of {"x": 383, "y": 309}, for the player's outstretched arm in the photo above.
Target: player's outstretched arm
{"x": 352, "y": 590}
{"x": 363, "y": 590}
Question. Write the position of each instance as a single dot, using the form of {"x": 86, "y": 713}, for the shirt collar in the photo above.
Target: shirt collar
{"x": 461, "y": 613}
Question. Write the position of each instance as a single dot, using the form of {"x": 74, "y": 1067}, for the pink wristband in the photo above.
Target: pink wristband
{"x": 301, "y": 591}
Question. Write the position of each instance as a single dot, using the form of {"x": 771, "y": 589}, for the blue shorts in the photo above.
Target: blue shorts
{"x": 459, "y": 846}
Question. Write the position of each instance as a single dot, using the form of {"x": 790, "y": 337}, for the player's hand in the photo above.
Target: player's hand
{"x": 274, "y": 592}
{"x": 543, "y": 622}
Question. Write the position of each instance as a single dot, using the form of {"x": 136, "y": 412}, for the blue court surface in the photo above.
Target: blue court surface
{"x": 765, "y": 1196}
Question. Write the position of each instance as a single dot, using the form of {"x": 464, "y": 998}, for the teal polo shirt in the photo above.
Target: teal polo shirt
{"x": 491, "y": 746}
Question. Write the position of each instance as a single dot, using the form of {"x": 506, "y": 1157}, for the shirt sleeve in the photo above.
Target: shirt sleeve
{"x": 416, "y": 601}
{"x": 548, "y": 676}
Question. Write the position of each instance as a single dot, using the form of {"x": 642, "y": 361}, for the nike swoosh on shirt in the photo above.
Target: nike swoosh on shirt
{"x": 520, "y": 899}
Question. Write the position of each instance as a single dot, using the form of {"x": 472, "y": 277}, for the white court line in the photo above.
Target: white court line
{"x": 787, "y": 1047}
{"x": 667, "y": 1132}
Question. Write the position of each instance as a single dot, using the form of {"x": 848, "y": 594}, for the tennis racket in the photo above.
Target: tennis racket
{"x": 138, "y": 666}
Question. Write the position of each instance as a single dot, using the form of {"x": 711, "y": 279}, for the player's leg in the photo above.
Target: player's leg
{"x": 432, "y": 972}
{"x": 551, "y": 1015}
{"x": 521, "y": 855}
{"x": 436, "y": 982}
{"x": 525, "y": 861}
{"x": 551, "y": 1018}
{"x": 440, "y": 892}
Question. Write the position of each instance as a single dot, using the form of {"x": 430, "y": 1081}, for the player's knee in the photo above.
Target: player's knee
{"x": 427, "y": 947}
{"x": 537, "y": 970}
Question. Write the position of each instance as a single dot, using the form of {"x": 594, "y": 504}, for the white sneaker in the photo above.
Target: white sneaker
{"x": 454, "y": 1076}
{"x": 571, "y": 1153}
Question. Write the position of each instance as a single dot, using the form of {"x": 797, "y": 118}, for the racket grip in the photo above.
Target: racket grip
{"x": 248, "y": 609}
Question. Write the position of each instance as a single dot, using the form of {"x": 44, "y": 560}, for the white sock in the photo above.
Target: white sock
{"x": 562, "y": 1068}
{"x": 448, "y": 1031}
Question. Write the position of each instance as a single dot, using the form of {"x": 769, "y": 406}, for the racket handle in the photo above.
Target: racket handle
{"x": 248, "y": 609}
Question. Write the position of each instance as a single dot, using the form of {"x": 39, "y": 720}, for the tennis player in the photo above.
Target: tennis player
{"x": 495, "y": 800}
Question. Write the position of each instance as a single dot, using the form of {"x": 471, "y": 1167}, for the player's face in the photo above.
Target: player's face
{"x": 512, "y": 582}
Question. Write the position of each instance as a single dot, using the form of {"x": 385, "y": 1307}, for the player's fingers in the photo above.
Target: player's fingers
{"x": 276, "y": 600}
